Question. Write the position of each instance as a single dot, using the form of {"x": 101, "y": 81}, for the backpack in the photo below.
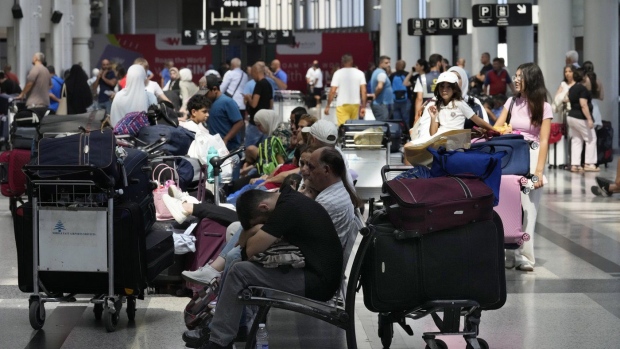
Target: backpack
{"x": 400, "y": 90}
{"x": 131, "y": 123}
{"x": 197, "y": 311}
{"x": 471, "y": 102}
{"x": 267, "y": 155}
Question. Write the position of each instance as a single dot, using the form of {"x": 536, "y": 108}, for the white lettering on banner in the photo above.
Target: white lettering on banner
{"x": 172, "y": 42}
{"x": 305, "y": 44}
{"x": 197, "y": 69}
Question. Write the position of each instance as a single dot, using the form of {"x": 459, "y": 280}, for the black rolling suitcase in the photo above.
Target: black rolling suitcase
{"x": 463, "y": 263}
{"x": 139, "y": 186}
{"x": 130, "y": 260}
{"x": 159, "y": 252}
{"x": 604, "y": 143}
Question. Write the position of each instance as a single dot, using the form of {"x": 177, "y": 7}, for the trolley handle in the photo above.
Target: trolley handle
{"x": 74, "y": 168}
{"x": 217, "y": 161}
{"x": 393, "y": 168}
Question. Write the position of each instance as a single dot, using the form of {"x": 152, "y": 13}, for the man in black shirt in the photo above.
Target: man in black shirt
{"x": 8, "y": 86}
{"x": 266, "y": 217}
{"x": 478, "y": 80}
{"x": 261, "y": 98}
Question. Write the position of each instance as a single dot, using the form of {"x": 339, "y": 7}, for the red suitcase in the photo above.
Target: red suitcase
{"x": 509, "y": 210}
{"x": 210, "y": 240}
{"x": 424, "y": 205}
{"x": 12, "y": 178}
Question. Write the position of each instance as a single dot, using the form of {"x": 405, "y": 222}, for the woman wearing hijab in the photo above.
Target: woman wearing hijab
{"x": 267, "y": 121}
{"x": 79, "y": 96}
{"x": 187, "y": 86}
{"x": 133, "y": 97}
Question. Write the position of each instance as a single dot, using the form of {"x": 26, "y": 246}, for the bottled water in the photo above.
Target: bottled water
{"x": 262, "y": 338}
{"x": 210, "y": 154}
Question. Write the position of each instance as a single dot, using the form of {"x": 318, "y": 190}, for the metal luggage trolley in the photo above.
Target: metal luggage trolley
{"x": 287, "y": 100}
{"x": 73, "y": 233}
{"x": 368, "y": 157}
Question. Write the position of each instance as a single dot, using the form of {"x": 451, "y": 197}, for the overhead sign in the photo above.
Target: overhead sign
{"x": 234, "y": 3}
{"x": 494, "y": 15}
{"x": 225, "y": 37}
{"x": 437, "y": 26}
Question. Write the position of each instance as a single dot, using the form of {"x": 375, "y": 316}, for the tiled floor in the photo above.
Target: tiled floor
{"x": 572, "y": 300}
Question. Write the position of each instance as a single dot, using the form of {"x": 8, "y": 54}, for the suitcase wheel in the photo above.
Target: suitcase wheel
{"x": 440, "y": 344}
{"x": 526, "y": 237}
{"x": 386, "y": 330}
{"x": 36, "y": 314}
{"x": 481, "y": 342}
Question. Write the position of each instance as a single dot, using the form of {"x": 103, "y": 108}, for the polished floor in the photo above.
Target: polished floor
{"x": 571, "y": 300}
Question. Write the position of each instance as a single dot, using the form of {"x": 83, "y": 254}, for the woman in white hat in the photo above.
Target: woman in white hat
{"x": 449, "y": 111}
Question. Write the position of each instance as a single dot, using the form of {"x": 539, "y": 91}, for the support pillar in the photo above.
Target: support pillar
{"x": 26, "y": 38}
{"x": 483, "y": 40}
{"x": 600, "y": 44}
{"x": 520, "y": 42}
{"x": 61, "y": 37}
{"x": 410, "y": 50}
{"x": 436, "y": 43}
{"x": 82, "y": 33}
{"x": 129, "y": 16}
{"x": 104, "y": 20}
{"x": 555, "y": 38}
{"x": 465, "y": 41}
{"x": 371, "y": 22}
{"x": 388, "y": 35}
{"x": 308, "y": 22}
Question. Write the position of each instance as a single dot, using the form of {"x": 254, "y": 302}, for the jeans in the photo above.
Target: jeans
{"x": 382, "y": 112}
{"x": 402, "y": 111}
{"x": 253, "y": 136}
{"x": 104, "y": 105}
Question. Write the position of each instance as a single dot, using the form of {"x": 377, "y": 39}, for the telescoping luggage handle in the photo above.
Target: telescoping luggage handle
{"x": 393, "y": 168}
{"x": 372, "y": 124}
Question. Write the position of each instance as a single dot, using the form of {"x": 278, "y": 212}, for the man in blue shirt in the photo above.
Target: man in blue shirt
{"x": 277, "y": 75}
{"x": 165, "y": 73}
{"x": 106, "y": 81}
{"x": 56, "y": 89}
{"x": 382, "y": 88}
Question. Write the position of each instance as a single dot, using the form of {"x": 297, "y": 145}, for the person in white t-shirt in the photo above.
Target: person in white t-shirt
{"x": 350, "y": 83}
{"x": 449, "y": 112}
{"x": 314, "y": 79}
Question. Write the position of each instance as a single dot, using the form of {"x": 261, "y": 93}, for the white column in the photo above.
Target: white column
{"x": 484, "y": 39}
{"x": 81, "y": 33}
{"x": 600, "y": 25}
{"x": 520, "y": 42}
{"x": 387, "y": 34}
{"x": 308, "y": 8}
{"x": 61, "y": 37}
{"x": 129, "y": 16}
{"x": 410, "y": 50}
{"x": 27, "y": 38}
{"x": 465, "y": 41}
{"x": 104, "y": 21}
{"x": 436, "y": 43}
{"x": 554, "y": 39}
{"x": 370, "y": 16}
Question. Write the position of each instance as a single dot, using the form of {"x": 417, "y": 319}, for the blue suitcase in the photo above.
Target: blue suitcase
{"x": 517, "y": 158}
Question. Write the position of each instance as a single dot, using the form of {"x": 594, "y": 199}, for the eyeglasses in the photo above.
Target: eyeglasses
{"x": 517, "y": 78}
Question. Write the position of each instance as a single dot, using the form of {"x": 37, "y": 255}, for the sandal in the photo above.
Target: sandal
{"x": 576, "y": 168}
{"x": 591, "y": 168}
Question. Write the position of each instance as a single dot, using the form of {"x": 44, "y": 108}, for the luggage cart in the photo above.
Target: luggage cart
{"x": 287, "y": 100}
{"x": 73, "y": 233}
{"x": 365, "y": 158}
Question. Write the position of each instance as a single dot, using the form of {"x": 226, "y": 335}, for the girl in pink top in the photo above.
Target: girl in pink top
{"x": 531, "y": 115}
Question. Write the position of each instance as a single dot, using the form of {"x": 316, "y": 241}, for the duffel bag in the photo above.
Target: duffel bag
{"x": 23, "y": 137}
{"x": 425, "y": 205}
{"x": 30, "y": 117}
{"x": 517, "y": 158}
{"x": 95, "y": 148}
{"x": 163, "y": 113}
{"x": 178, "y": 139}
{"x": 76, "y": 123}
{"x": 131, "y": 123}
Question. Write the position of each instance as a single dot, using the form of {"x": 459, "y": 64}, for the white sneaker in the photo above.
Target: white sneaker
{"x": 525, "y": 266}
{"x": 175, "y": 206}
{"x": 202, "y": 276}
{"x": 176, "y": 193}
{"x": 509, "y": 261}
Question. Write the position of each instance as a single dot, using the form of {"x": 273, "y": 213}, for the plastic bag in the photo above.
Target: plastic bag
{"x": 200, "y": 148}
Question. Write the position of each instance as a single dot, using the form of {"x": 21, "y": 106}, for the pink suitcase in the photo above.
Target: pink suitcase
{"x": 509, "y": 209}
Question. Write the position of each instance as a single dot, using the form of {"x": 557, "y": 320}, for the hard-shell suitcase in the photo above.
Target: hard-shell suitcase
{"x": 129, "y": 256}
{"x": 421, "y": 206}
{"x": 210, "y": 240}
{"x": 517, "y": 158}
{"x": 178, "y": 139}
{"x": 159, "y": 252}
{"x": 76, "y": 123}
{"x": 604, "y": 143}
{"x": 464, "y": 263}
{"x": 391, "y": 128}
{"x": 11, "y": 176}
{"x": 509, "y": 210}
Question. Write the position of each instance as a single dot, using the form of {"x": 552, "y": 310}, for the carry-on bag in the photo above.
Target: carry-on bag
{"x": 178, "y": 139}
{"x": 23, "y": 137}
{"x": 30, "y": 117}
{"x": 131, "y": 123}
{"x": 517, "y": 158}
{"x": 391, "y": 129}
{"x": 425, "y": 205}
{"x": 509, "y": 210}
{"x": 95, "y": 148}
{"x": 75, "y": 123}
{"x": 11, "y": 176}
{"x": 163, "y": 113}
{"x": 159, "y": 252}
{"x": 210, "y": 240}
{"x": 604, "y": 144}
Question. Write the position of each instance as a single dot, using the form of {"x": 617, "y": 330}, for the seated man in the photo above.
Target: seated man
{"x": 266, "y": 217}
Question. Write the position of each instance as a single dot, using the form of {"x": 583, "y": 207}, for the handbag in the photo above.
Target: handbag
{"x": 161, "y": 211}
{"x": 557, "y": 131}
{"x": 469, "y": 163}
{"x": 62, "y": 105}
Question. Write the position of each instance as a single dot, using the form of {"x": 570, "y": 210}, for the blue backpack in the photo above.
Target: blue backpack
{"x": 400, "y": 90}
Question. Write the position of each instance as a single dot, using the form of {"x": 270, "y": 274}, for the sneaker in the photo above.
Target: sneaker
{"x": 603, "y": 184}
{"x": 196, "y": 338}
{"x": 176, "y": 193}
{"x": 203, "y": 276}
{"x": 175, "y": 206}
{"x": 591, "y": 168}
{"x": 525, "y": 266}
{"x": 509, "y": 260}
{"x": 596, "y": 190}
